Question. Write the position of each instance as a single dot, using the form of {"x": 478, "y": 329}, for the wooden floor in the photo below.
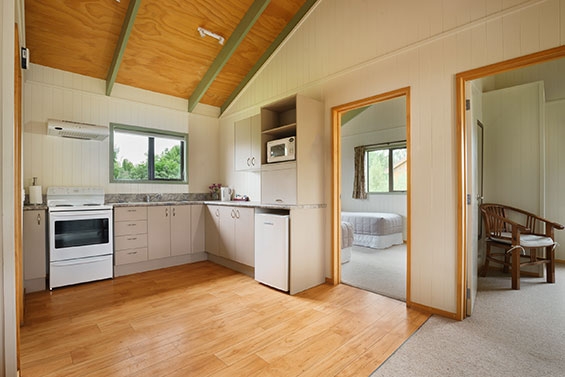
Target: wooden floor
{"x": 205, "y": 320}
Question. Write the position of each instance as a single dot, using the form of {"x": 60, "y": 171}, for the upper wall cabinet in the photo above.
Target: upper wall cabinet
{"x": 248, "y": 143}
{"x": 302, "y": 118}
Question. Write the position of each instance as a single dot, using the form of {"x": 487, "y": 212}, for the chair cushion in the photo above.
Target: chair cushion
{"x": 526, "y": 240}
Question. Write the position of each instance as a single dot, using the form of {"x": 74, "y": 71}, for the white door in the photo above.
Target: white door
{"x": 474, "y": 190}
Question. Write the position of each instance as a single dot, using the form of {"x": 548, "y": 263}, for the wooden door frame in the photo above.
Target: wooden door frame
{"x": 461, "y": 79}
{"x": 337, "y": 112}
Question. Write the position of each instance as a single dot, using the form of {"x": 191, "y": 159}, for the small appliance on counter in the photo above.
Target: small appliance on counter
{"x": 225, "y": 194}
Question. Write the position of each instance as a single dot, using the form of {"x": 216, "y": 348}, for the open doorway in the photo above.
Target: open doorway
{"x": 519, "y": 104}
{"x": 371, "y": 170}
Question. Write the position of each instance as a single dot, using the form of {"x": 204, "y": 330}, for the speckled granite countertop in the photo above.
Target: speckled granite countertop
{"x": 233, "y": 203}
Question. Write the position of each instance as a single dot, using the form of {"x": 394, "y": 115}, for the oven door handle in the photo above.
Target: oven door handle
{"x": 73, "y": 262}
{"x": 79, "y": 215}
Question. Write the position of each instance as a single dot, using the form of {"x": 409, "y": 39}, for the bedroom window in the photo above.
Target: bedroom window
{"x": 386, "y": 169}
{"x": 146, "y": 155}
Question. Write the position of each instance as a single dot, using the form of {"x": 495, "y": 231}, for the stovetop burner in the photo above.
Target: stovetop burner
{"x": 76, "y": 199}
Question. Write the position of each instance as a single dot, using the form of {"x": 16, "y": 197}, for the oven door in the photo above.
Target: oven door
{"x": 80, "y": 234}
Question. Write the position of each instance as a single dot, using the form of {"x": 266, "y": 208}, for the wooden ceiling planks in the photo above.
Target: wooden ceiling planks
{"x": 74, "y": 36}
{"x": 275, "y": 17}
{"x": 165, "y": 53}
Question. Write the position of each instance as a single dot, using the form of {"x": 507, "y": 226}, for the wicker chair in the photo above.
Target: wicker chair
{"x": 520, "y": 244}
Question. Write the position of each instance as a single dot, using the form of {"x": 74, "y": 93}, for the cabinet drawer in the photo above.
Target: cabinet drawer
{"x": 125, "y": 228}
{"x": 130, "y": 242}
{"x": 130, "y": 256}
{"x": 130, "y": 213}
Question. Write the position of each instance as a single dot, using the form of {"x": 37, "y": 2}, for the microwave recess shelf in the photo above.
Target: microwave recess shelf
{"x": 281, "y": 130}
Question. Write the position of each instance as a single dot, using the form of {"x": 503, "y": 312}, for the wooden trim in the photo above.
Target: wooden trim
{"x": 252, "y": 15}
{"x": 18, "y": 209}
{"x": 337, "y": 112}
{"x": 460, "y": 81}
{"x": 133, "y": 7}
{"x": 560, "y": 261}
{"x": 430, "y": 310}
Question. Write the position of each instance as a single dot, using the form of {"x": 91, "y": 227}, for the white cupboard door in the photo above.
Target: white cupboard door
{"x": 242, "y": 142}
{"x": 34, "y": 241}
{"x": 198, "y": 228}
{"x": 245, "y": 236}
{"x": 255, "y": 130}
{"x": 180, "y": 230}
{"x": 278, "y": 186}
{"x": 227, "y": 226}
{"x": 159, "y": 232}
{"x": 212, "y": 236}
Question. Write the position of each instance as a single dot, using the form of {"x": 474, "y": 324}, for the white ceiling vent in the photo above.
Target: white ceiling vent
{"x": 76, "y": 130}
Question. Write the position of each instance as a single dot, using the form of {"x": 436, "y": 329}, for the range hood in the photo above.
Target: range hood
{"x": 76, "y": 130}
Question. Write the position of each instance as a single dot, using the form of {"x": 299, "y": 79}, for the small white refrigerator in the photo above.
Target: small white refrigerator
{"x": 271, "y": 250}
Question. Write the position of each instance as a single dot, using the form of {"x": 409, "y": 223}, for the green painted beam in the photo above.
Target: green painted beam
{"x": 252, "y": 15}
{"x": 276, "y": 43}
{"x": 352, "y": 114}
{"x": 121, "y": 46}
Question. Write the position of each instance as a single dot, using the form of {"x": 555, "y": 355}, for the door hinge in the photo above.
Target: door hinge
{"x": 468, "y": 199}
{"x": 468, "y": 293}
{"x": 467, "y": 104}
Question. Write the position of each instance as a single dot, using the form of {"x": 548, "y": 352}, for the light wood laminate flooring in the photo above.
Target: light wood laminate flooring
{"x": 202, "y": 319}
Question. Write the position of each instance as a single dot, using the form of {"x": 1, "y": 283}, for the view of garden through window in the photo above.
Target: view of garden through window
{"x": 146, "y": 156}
{"x": 386, "y": 170}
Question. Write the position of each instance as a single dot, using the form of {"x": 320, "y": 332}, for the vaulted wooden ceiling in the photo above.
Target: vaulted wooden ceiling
{"x": 155, "y": 44}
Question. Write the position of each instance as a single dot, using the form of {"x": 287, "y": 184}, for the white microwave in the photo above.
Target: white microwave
{"x": 281, "y": 150}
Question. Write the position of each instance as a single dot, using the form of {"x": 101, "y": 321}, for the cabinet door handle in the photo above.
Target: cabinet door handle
{"x": 167, "y": 212}
{"x": 132, "y": 253}
{"x": 39, "y": 219}
{"x": 132, "y": 210}
{"x": 132, "y": 238}
{"x": 279, "y": 200}
{"x": 253, "y": 161}
{"x": 132, "y": 224}
{"x": 217, "y": 212}
{"x": 232, "y": 214}
{"x": 174, "y": 213}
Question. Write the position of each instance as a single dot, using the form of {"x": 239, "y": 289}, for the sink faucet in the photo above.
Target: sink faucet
{"x": 147, "y": 198}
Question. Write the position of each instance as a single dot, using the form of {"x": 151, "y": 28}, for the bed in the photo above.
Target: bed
{"x": 377, "y": 230}
{"x": 346, "y": 241}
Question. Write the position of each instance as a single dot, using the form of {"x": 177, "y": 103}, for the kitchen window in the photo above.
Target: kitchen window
{"x": 147, "y": 155}
{"x": 386, "y": 169}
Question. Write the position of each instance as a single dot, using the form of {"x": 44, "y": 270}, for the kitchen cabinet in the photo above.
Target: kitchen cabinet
{"x": 130, "y": 235}
{"x": 247, "y": 142}
{"x": 169, "y": 231}
{"x": 212, "y": 218}
{"x": 230, "y": 233}
{"x": 303, "y": 183}
{"x": 198, "y": 228}
{"x": 34, "y": 250}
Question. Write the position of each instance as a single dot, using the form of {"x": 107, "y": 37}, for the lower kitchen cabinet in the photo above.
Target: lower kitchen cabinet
{"x": 230, "y": 233}
{"x": 35, "y": 250}
{"x": 169, "y": 231}
{"x": 130, "y": 235}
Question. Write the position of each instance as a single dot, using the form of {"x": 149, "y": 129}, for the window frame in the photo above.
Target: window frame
{"x": 150, "y": 133}
{"x": 391, "y": 147}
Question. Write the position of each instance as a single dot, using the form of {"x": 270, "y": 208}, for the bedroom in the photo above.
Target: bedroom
{"x": 375, "y": 217}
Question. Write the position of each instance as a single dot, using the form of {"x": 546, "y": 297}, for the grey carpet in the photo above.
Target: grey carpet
{"x": 511, "y": 333}
{"x": 382, "y": 271}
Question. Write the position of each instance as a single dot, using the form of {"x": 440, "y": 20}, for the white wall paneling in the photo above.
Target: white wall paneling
{"x": 555, "y": 187}
{"x": 50, "y": 93}
{"x": 345, "y": 51}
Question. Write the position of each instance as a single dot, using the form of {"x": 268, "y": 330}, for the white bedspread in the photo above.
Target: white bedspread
{"x": 377, "y": 230}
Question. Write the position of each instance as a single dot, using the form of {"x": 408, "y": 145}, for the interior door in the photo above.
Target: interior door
{"x": 474, "y": 190}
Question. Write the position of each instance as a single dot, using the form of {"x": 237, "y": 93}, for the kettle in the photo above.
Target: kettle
{"x": 225, "y": 194}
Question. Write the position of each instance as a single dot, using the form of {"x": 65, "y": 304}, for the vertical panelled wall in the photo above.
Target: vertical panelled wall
{"x": 555, "y": 182}
{"x": 345, "y": 51}
{"x": 56, "y": 161}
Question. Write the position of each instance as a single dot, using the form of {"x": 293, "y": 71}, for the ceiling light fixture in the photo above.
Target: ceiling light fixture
{"x": 203, "y": 32}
